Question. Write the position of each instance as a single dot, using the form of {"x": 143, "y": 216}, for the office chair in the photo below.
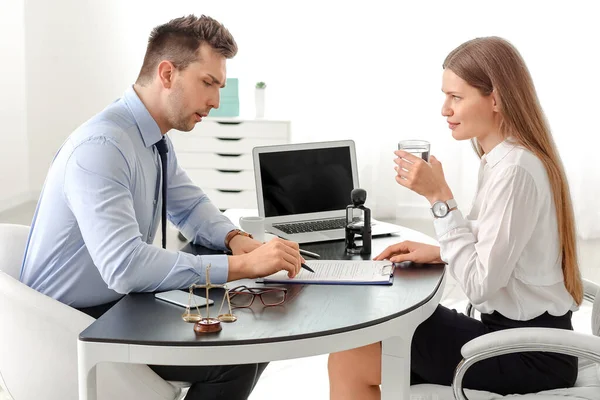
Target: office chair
{"x": 38, "y": 342}
{"x": 584, "y": 346}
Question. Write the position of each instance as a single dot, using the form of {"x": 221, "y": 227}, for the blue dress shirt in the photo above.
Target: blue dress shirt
{"x": 92, "y": 232}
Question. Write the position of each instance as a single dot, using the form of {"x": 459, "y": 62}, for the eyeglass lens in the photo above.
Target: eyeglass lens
{"x": 244, "y": 297}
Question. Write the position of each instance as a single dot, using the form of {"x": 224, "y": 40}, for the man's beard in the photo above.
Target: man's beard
{"x": 182, "y": 123}
{"x": 177, "y": 117}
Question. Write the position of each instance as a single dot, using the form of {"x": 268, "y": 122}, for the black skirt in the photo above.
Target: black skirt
{"x": 436, "y": 353}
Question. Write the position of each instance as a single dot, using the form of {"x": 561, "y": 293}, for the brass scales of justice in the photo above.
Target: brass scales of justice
{"x": 207, "y": 324}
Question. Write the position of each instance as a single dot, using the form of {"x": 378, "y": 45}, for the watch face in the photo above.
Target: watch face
{"x": 440, "y": 209}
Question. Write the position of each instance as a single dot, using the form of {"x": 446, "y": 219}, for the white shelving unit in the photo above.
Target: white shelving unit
{"x": 217, "y": 155}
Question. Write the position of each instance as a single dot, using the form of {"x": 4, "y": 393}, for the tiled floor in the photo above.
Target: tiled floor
{"x": 307, "y": 378}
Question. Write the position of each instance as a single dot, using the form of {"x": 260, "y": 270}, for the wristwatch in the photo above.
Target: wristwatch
{"x": 441, "y": 208}
{"x": 233, "y": 234}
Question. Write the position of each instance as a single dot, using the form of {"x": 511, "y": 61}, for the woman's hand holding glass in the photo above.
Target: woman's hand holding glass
{"x": 420, "y": 253}
{"x": 426, "y": 179}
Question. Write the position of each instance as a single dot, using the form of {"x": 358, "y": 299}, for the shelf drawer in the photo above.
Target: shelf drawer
{"x": 224, "y": 200}
{"x": 215, "y": 161}
{"x": 239, "y": 129}
{"x": 197, "y": 143}
{"x": 222, "y": 179}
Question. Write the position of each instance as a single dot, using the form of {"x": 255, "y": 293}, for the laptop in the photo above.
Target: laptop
{"x": 303, "y": 190}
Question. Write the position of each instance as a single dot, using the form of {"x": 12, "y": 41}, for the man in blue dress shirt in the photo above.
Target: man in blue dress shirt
{"x": 92, "y": 232}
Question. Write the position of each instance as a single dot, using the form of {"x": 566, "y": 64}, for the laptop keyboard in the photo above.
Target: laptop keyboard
{"x": 313, "y": 226}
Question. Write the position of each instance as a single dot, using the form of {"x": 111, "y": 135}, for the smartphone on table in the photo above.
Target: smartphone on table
{"x": 181, "y": 298}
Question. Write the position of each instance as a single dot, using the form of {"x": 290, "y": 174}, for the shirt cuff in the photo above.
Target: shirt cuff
{"x": 219, "y": 268}
{"x": 452, "y": 221}
{"x": 221, "y": 233}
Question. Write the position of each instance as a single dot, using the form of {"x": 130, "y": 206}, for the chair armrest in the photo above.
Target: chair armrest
{"x": 590, "y": 289}
{"x": 533, "y": 339}
{"x": 520, "y": 340}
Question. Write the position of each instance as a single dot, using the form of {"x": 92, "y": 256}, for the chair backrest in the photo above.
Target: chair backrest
{"x": 13, "y": 239}
{"x": 38, "y": 341}
{"x": 592, "y": 292}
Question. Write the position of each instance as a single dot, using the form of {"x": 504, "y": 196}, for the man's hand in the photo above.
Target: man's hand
{"x": 273, "y": 256}
{"x": 241, "y": 244}
{"x": 411, "y": 251}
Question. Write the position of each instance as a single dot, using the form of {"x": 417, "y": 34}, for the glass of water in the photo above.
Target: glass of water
{"x": 419, "y": 148}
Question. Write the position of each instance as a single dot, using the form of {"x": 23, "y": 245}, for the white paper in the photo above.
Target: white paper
{"x": 339, "y": 271}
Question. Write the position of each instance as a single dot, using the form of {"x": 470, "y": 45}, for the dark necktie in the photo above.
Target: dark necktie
{"x": 161, "y": 147}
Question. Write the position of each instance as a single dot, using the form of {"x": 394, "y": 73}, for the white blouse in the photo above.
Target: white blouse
{"x": 506, "y": 255}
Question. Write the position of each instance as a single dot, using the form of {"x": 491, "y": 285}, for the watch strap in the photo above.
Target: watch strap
{"x": 233, "y": 234}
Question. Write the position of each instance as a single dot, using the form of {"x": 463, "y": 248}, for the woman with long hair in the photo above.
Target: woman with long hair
{"x": 513, "y": 254}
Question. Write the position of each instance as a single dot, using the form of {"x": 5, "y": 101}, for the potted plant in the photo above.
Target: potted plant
{"x": 259, "y": 99}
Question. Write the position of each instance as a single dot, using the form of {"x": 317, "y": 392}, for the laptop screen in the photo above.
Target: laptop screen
{"x": 306, "y": 181}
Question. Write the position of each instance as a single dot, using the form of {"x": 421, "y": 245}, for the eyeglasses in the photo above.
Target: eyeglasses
{"x": 243, "y": 296}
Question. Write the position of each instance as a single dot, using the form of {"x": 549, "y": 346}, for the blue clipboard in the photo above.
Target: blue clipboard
{"x": 385, "y": 277}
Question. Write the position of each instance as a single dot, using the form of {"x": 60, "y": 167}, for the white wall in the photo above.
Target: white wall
{"x": 368, "y": 71}
{"x": 14, "y": 164}
{"x": 75, "y": 65}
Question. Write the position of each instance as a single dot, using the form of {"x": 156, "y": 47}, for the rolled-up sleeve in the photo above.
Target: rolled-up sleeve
{"x": 97, "y": 189}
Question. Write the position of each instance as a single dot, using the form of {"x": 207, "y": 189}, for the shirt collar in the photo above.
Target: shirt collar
{"x": 499, "y": 152}
{"x": 146, "y": 124}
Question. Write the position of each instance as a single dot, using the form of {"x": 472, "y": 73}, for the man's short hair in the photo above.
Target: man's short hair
{"x": 179, "y": 41}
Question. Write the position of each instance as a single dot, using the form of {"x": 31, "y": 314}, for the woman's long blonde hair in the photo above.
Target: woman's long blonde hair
{"x": 491, "y": 64}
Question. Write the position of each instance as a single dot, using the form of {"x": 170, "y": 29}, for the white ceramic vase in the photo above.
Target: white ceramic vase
{"x": 259, "y": 102}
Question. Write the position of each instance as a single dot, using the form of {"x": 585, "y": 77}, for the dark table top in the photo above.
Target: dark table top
{"x": 310, "y": 310}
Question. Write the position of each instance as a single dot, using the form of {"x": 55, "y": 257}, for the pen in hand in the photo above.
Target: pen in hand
{"x": 306, "y": 267}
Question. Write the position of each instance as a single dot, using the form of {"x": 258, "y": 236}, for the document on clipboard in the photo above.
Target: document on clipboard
{"x": 339, "y": 272}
